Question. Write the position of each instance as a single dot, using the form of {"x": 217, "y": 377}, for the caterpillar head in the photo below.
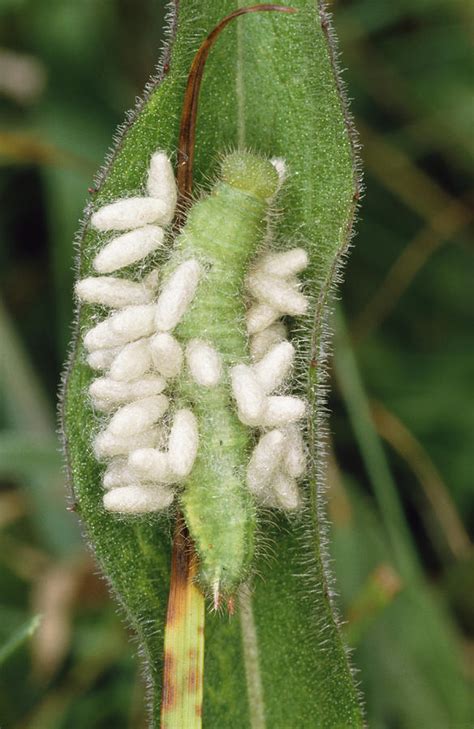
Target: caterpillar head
{"x": 250, "y": 173}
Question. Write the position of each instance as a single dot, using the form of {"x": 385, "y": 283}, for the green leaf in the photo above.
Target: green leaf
{"x": 270, "y": 84}
{"x": 422, "y": 682}
{"x": 19, "y": 637}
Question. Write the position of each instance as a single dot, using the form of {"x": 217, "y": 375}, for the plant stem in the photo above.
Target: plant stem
{"x": 184, "y": 640}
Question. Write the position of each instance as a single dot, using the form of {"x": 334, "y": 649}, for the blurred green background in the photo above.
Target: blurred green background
{"x": 400, "y": 495}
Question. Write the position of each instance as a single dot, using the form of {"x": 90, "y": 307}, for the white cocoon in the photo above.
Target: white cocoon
{"x": 128, "y": 248}
{"x": 119, "y": 474}
{"x": 277, "y": 293}
{"x": 137, "y": 416}
{"x": 263, "y": 341}
{"x": 114, "y": 392}
{"x": 183, "y": 443}
{"x": 259, "y": 317}
{"x": 272, "y": 369}
{"x": 107, "y": 445}
{"x": 248, "y": 393}
{"x": 161, "y": 183}
{"x": 138, "y": 499}
{"x": 286, "y": 263}
{"x": 177, "y": 294}
{"x": 124, "y": 326}
{"x": 113, "y": 292}
{"x": 286, "y": 491}
{"x": 152, "y": 279}
{"x": 133, "y": 361}
{"x": 104, "y": 406}
{"x": 129, "y": 213}
{"x": 294, "y": 455}
{"x": 101, "y": 359}
{"x": 102, "y": 336}
{"x": 204, "y": 363}
{"x": 264, "y": 460}
{"x": 282, "y": 410}
{"x": 150, "y": 464}
{"x": 166, "y": 354}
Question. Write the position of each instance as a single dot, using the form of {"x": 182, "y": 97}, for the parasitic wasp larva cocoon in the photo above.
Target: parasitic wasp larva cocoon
{"x": 128, "y": 249}
{"x": 204, "y": 363}
{"x": 131, "y": 213}
{"x": 166, "y": 354}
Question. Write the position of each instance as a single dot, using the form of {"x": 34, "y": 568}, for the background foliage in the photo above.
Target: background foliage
{"x": 400, "y": 496}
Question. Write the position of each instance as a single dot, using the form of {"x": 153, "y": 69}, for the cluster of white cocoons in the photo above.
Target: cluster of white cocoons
{"x": 149, "y": 451}
{"x": 279, "y": 458}
{"x": 137, "y": 354}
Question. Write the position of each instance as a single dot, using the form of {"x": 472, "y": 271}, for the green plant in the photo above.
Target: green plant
{"x": 286, "y": 102}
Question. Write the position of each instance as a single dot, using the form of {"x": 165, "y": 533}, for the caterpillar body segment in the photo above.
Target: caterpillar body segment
{"x": 222, "y": 232}
{"x": 193, "y": 363}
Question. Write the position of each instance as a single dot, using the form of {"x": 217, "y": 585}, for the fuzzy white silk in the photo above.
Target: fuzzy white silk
{"x": 129, "y": 248}
{"x": 161, "y": 183}
{"x": 177, "y": 294}
{"x": 204, "y": 363}
{"x": 130, "y": 213}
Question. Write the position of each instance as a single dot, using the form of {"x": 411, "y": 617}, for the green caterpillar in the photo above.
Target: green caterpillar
{"x": 223, "y": 232}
